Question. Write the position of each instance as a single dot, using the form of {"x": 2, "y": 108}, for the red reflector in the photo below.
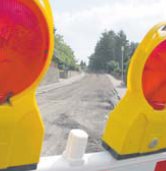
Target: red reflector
{"x": 161, "y": 166}
{"x": 154, "y": 78}
{"x": 24, "y": 43}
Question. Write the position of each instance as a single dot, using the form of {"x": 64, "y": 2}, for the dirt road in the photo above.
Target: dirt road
{"x": 84, "y": 104}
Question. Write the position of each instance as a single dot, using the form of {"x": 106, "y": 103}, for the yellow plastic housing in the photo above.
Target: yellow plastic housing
{"x": 134, "y": 127}
{"x": 21, "y": 126}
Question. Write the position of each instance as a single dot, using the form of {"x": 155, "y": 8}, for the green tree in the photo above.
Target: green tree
{"x": 63, "y": 54}
{"x": 104, "y": 51}
{"x": 83, "y": 65}
{"x": 108, "y": 53}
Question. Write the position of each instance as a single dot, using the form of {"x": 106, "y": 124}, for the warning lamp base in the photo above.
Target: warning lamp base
{"x": 128, "y": 156}
{"x": 21, "y": 168}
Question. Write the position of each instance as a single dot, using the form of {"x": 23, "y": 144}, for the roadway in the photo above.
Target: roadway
{"x": 84, "y": 104}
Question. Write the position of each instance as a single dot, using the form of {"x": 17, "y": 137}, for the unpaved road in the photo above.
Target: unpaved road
{"x": 84, "y": 104}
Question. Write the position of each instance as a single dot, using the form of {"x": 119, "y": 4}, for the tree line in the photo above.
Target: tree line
{"x": 107, "y": 56}
{"x": 64, "y": 56}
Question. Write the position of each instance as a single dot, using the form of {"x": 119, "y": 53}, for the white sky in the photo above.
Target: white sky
{"x": 81, "y": 22}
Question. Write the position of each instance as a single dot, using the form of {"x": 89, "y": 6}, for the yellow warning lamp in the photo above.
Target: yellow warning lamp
{"x": 137, "y": 126}
{"x": 26, "y": 48}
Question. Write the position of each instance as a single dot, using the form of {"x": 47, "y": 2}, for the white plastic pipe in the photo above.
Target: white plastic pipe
{"x": 76, "y": 146}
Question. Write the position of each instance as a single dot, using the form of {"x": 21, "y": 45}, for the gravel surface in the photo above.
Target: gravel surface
{"x": 84, "y": 105}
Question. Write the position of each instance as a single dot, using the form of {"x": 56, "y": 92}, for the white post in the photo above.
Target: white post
{"x": 122, "y": 50}
{"x": 76, "y": 146}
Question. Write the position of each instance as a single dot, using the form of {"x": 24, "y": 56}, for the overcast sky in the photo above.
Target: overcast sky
{"x": 81, "y": 22}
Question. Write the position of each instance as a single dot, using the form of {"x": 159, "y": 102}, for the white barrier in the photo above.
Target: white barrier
{"x": 75, "y": 160}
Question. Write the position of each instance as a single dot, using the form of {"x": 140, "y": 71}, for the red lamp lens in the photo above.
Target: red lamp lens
{"x": 154, "y": 77}
{"x": 24, "y": 43}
